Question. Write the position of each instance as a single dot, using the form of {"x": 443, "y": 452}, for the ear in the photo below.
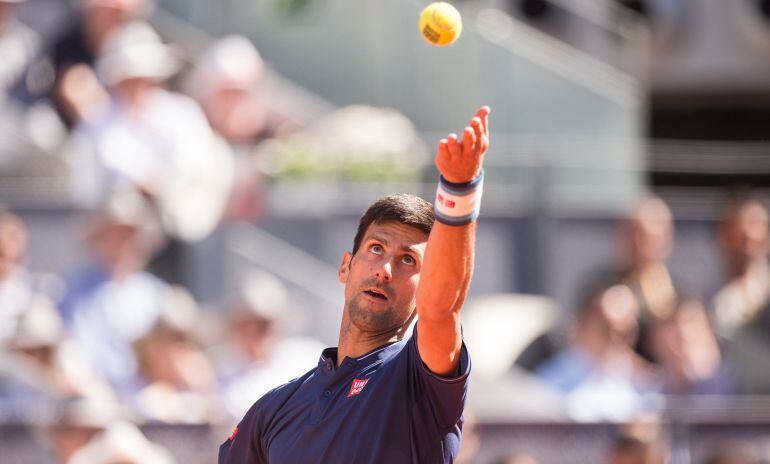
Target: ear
{"x": 344, "y": 270}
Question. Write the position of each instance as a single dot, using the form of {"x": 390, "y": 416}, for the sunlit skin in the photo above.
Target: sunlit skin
{"x": 381, "y": 282}
{"x": 399, "y": 271}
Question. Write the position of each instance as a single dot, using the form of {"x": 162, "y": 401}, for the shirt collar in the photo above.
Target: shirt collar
{"x": 328, "y": 359}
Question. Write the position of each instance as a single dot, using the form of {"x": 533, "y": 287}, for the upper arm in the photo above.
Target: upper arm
{"x": 245, "y": 443}
{"x": 439, "y": 400}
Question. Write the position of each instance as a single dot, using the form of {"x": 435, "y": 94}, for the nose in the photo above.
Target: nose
{"x": 384, "y": 272}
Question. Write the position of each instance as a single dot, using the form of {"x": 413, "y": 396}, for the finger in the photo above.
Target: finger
{"x": 442, "y": 145}
{"x": 483, "y": 114}
{"x": 469, "y": 141}
{"x": 453, "y": 145}
{"x": 442, "y": 151}
{"x": 478, "y": 133}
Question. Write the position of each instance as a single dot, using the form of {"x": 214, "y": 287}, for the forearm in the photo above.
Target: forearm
{"x": 446, "y": 275}
{"x": 446, "y": 272}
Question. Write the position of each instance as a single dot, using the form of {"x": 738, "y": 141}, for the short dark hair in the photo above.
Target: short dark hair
{"x": 403, "y": 208}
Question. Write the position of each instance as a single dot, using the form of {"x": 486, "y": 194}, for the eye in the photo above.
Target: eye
{"x": 407, "y": 259}
{"x": 376, "y": 249}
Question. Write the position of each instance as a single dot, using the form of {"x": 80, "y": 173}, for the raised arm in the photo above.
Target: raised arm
{"x": 448, "y": 265}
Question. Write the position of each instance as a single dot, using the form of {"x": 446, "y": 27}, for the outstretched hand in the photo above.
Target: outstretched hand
{"x": 460, "y": 161}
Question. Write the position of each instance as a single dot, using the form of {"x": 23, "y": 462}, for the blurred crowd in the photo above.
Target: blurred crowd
{"x": 638, "y": 328}
{"x": 164, "y": 149}
{"x": 639, "y": 340}
{"x": 161, "y": 150}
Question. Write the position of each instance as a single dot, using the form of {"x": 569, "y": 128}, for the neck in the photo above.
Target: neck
{"x": 354, "y": 342}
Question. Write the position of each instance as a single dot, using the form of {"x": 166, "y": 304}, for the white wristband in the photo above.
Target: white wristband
{"x": 458, "y": 204}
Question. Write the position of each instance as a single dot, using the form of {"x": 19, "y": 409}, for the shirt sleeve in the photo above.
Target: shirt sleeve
{"x": 438, "y": 401}
{"x": 245, "y": 444}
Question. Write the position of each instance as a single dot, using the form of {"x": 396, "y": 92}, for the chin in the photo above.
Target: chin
{"x": 375, "y": 318}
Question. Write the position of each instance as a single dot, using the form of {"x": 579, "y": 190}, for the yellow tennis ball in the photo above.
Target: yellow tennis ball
{"x": 440, "y": 23}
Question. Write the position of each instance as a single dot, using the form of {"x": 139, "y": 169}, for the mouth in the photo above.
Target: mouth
{"x": 376, "y": 294}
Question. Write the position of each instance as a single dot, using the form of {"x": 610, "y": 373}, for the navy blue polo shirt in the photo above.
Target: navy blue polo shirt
{"x": 383, "y": 407}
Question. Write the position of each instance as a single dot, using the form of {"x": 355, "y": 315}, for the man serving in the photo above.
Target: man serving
{"x": 380, "y": 397}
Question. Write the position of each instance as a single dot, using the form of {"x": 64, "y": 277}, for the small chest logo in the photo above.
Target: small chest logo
{"x": 357, "y": 386}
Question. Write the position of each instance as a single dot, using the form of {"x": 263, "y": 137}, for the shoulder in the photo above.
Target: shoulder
{"x": 463, "y": 369}
{"x": 272, "y": 401}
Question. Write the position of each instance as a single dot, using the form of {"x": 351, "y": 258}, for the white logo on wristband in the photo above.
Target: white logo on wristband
{"x": 458, "y": 206}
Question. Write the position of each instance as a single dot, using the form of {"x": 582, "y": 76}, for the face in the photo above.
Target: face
{"x": 381, "y": 278}
{"x": 649, "y": 233}
{"x": 746, "y": 235}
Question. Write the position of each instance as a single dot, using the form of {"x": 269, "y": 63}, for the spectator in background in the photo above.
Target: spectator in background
{"x": 741, "y": 305}
{"x": 258, "y": 355}
{"x": 744, "y": 235}
{"x": 686, "y": 347}
{"x": 155, "y": 140}
{"x": 645, "y": 241}
{"x": 601, "y": 374}
{"x": 41, "y": 353}
{"x": 16, "y": 287}
{"x": 77, "y": 93}
{"x": 177, "y": 383}
{"x": 227, "y": 81}
{"x": 112, "y": 302}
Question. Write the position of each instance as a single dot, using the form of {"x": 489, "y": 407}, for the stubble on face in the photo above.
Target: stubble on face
{"x": 395, "y": 313}
{"x": 370, "y": 320}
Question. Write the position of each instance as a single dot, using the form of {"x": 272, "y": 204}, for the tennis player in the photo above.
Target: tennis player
{"x": 387, "y": 394}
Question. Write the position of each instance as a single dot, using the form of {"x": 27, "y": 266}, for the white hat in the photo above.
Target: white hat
{"x": 232, "y": 62}
{"x": 262, "y": 294}
{"x": 136, "y": 51}
{"x": 180, "y": 311}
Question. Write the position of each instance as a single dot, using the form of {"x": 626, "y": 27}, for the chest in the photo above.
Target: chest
{"x": 348, "y": 415}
